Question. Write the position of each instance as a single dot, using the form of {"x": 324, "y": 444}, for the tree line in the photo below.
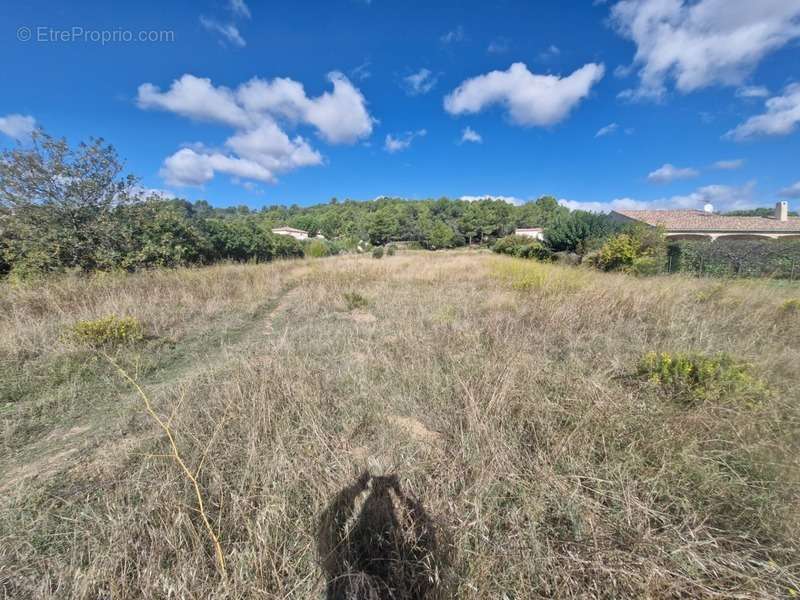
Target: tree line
{"x": 64, "y": 207}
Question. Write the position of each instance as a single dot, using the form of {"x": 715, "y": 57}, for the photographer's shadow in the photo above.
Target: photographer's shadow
{"x": 375, "y": 542}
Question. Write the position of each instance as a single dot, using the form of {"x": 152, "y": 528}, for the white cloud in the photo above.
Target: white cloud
{"x": 551, "y": 52}
{"x": 667, "y": 173}
{"x": 531, "y": 100}
{"x": 420, "y": 82}
{"x": 402, "y": 141}
{"x": 498, "y": 46}
{"x": 729, "y": 165}
{"x": 607, "y": 130}
{"x": 18, "y": 127}
{"x": 752, "y": 91}
{"x": 723, "y": 198}
{"x": 698, "y": 43}
{"x": 470, "y": 135}
{"x": 781, "y": 117}
{"x": 509, "y": 199}
{"x": 456, "y": 35}
{"x": 792, "y": 191}
{"x": 228, "y": 31}
{"x": 153, "y": 192}
{"x": 340, "y": 116}
{"x": 259, "y": 149}
{"x": 239, "y": 8}
{"x": 196, "y": 98}
{"x": 362, "y": 72}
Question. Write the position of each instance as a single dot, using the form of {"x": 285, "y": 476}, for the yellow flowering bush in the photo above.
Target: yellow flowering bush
{"x": 108, "y": 330}
{"x": 695, "y": 378}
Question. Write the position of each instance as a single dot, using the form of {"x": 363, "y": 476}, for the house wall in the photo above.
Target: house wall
{"x": 295, "y": 235}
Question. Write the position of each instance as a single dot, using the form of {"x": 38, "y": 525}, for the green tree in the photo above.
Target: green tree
{"x": 578, "y": 231}
{"x": 56, "y": 202}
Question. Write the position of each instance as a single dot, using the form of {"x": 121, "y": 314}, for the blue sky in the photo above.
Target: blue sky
{"x": 628, "y": 103}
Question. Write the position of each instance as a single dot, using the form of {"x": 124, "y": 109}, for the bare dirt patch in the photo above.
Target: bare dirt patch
{"x": 415, "y": 428}
{"x": 362, "y": 317}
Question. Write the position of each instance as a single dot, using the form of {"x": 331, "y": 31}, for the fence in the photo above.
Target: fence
{"x": 779, "y": 259}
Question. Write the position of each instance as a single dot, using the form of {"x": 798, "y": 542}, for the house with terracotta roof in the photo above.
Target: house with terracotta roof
{"x": 707, "y": 225}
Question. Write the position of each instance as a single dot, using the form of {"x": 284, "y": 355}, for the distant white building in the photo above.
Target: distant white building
{"x": 534, "y": 232}
{"x": 297, "y": 234}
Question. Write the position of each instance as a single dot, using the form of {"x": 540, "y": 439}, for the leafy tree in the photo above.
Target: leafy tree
{"x": 56, "y": 202}
{"x": 578, "y": 231}
{"x": 441, "y": 235}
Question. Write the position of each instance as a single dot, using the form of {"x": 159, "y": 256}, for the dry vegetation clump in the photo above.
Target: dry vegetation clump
{"x": 490, "y": 421}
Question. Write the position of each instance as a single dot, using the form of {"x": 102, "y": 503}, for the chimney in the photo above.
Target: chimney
{"x": 782, "y": 211}
{"x": 708, "y": 208}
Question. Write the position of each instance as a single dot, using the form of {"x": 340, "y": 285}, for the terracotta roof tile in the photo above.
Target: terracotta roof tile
{"x": 698, "y": 220}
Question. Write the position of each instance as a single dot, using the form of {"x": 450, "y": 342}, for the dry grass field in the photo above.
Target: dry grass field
{"x": 428, "y": 425}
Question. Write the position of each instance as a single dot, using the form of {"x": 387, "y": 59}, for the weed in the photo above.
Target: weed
{"x": 791, "y": 306}
{"x": 110, "y": 330}
{"x": 354, "y": 300}
{"x": 695, "y": 378}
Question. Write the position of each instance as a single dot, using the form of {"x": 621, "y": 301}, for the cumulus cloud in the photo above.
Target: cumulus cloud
{"x": 667, "y": 173}
{"x": 258, "y": 111}
{"x": 781, "y": 117}
{"x": 196, "y": 98}
{"x": 531, "y": 100}
{"x": 397, "y": 143}
{"x": 228, "y": 31}
{"x": 470, "y": 135}
{"x": 698, "y": 43}
{"x": 607, "y": 130}
{"x": 729, "y": 165}
{"x": 18, "y": 127}
{"x": 722, "y": 197}
{"x": 420, "y": 82}
{"x": 792, "y": 191}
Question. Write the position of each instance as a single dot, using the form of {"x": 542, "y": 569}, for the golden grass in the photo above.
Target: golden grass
{"x": 499, "y": 392}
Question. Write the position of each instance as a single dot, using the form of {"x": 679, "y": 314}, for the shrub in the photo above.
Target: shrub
{"x": 390, "y": 250}
{"x": 377, "y": 252}
{"x": 791, "y": 306}
{"x": 354, "y": 300}
{"x": 617, "y": 253}
{"x": 522, "y": 247}
{"x": 110, "y": 330}
{"x": 737, "y": 258}
{"x": 638, "y": 249}
{"x": 317, "y": 249}
{"x": 578, "y": 231}
{"x": 694, "y": 378}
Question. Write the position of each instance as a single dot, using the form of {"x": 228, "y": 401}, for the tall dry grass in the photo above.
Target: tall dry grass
{"x": 501, "y": 393}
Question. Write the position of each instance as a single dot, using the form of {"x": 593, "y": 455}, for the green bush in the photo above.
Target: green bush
{"x": 377, "y": 252}
{"x": 354, "y": 300}
{"x": 694, "y": 378}
{"x": 736, "y": 258}
{"x": 638, "y": 249}
{"x": 522, "y": 247}
{"x": 110, "y": 330}
{"x": 390, "y": 250}
{"x": 317, "y": 249}
{"x": 791, "y": 306}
